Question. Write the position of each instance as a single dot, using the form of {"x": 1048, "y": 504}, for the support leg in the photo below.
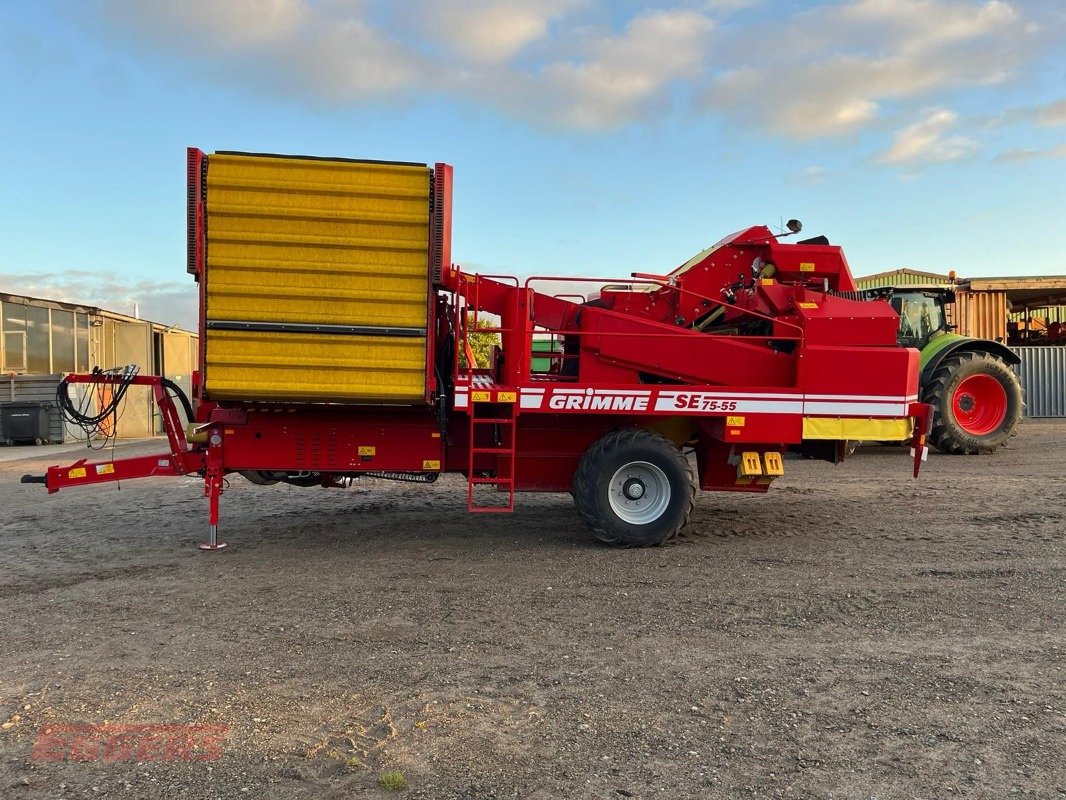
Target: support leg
{"x": 213, "y": 481}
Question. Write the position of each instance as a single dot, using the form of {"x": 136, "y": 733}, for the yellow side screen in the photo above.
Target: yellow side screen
{"x": 312, "y": 367}
{"x": 294, "y": 243}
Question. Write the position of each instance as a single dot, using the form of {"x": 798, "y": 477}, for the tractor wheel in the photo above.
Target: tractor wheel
{"x": 634, "y": 488}
{"x": 977, "y": 402}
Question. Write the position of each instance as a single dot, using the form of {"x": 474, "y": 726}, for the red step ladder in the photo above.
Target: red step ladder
{"x": 502, "y": 425}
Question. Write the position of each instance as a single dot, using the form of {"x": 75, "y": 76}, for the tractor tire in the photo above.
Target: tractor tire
{"x": 634, "y": 488}
{"x": 976, "y": 401}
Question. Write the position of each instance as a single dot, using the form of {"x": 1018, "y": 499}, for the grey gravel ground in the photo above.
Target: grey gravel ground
{"x": 853, "y": 634}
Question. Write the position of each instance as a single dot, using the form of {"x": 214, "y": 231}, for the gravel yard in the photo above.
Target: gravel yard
{"x": 852, "y": 634}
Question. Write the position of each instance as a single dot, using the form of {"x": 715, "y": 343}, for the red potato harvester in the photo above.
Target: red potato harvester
{"x": 335, "y": 344}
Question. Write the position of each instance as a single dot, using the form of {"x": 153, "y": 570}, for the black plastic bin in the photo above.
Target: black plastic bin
{"x": 25, "y": 422}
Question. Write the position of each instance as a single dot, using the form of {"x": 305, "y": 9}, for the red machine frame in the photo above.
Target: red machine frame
{"x": 732, "y": 354}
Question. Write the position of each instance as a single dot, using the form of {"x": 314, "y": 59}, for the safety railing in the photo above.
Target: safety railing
{"x": 467, "y": 315}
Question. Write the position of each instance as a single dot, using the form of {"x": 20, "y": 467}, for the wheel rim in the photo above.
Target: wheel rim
{"x": 979, "y": 404}
{"x": 639, "y": 493}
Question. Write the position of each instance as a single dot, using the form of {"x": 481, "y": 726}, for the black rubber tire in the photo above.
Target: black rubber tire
{"x": 947, "y": 435}
{"x": 260, "y": 478}
{"x": 592, "y": 488}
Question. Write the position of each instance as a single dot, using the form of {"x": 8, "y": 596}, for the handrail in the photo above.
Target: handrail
{"x": 467, "y": 316}
{"x": 667, "y": 285}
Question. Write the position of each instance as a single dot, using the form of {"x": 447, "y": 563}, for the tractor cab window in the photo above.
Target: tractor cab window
{"x": 920, "y": 316}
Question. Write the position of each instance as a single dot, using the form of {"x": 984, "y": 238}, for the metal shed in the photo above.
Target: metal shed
{"x": 42, "y": 339}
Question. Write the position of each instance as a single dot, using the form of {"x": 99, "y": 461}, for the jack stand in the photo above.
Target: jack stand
{"x": 213, "y": 482}
{"x": 213, "y": 543}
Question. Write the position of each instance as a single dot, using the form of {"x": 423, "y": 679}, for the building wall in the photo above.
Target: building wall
{"x": 982, "y": 315}
{"x": 1043, "y": 375}
{"x": 41, "y": 340}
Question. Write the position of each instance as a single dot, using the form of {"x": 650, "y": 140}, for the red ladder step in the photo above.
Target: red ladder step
{"x": 505, "y": 462}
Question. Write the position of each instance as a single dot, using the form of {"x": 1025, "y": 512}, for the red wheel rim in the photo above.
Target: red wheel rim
{"x": 979, "y": 404}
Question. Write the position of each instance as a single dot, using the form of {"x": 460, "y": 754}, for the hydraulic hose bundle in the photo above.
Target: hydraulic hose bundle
{"x": 104, "y": 421}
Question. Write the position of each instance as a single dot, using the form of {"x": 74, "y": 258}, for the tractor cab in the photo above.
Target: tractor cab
{"x": 921, "y": 314}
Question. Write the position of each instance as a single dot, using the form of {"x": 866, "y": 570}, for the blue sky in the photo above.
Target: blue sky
{"x": 588, "y": 137}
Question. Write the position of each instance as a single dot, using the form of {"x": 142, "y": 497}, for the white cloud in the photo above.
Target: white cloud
{"x": 236, "y": 24}
{"x": 833, "y": 67}
{"x": 591, "y": 65}
{"x": 1023, "y": 154}
{"x": 928, "y": 141}
{"x": 722, "y": 7}
{"x": 487, "y": 31}
{"x": 167, "y": 302}
{"x": 326, "y": 51}
{"x": 810, "y": 176}
{"x": 1051, "y": 114}
{"x": 623, "y": 74}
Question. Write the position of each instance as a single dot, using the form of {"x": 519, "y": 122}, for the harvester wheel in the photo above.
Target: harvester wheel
{"x": 977, "y": 402}
{"x": 634, "y": 488}
{"x": 259, "y": 477}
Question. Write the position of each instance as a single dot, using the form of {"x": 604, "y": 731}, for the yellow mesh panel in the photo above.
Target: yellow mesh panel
{"x": 246, "y": 365}
{"x": 297, "y": 240}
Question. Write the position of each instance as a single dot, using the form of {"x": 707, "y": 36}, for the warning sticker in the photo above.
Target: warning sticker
{"x": 77, "y": 472}
{"x": 105, "y": 469}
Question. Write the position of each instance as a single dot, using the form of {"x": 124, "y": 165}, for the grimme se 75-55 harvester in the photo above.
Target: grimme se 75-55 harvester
{"x": 335, "y": 344}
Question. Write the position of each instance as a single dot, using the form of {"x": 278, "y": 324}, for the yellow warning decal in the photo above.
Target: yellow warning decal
{"x": 767, "y": 281}
{"x": 105, "y": 469}
{"x": 368, "y": 451}
{"x": 506, "y": 397}
{"x": 735, "y": 422}
{"x": 807, "y": 305}
{"x": 481, "y": 397}
{"x": 434, "y": 435}
{"x": 77, "y": 472}
{"x": 430, "y": 464}
{"x": 806, "y": 266}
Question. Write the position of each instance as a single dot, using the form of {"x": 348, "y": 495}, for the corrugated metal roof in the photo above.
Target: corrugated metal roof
{"x": 901, "y": 277}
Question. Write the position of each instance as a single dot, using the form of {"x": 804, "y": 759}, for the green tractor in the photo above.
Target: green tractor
{"x": 976, "y": 396}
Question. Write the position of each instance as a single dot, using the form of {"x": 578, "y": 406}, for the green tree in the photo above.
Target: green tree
{"x": 481, "y": 342}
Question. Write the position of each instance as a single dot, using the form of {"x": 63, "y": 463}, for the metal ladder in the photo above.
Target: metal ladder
{"x": 505, "y": 452}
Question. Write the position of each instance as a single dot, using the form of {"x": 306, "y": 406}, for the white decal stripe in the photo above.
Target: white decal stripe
{"x": 733, "y": 395}
{"x": 877, "y": 398}
{"x": 531, "y": 401}
{"x": 856, "y": 409}
{"x": 604, "y": 392}
{"x": 742, "y": 407}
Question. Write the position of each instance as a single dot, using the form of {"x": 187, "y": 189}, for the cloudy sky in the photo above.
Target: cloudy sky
{"x": 588, "y": 136}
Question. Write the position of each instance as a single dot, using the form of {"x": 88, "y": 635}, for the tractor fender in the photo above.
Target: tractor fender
{"x": 950, "y": 343}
